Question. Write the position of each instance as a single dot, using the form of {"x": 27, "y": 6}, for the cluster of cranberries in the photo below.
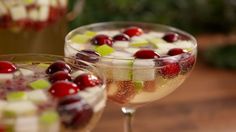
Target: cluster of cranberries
{"x": 170, "y": 67}
{"x": 74, "y": 111}
{"x": 55, "y": 13}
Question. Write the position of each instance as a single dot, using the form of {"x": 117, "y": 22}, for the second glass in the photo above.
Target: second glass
{"x": 142, "y": 62}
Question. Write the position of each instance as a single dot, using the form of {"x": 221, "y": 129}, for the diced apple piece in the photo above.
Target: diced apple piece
{"x": 121, "y": 55}
{"x": 80, "y": 39}
{"x": 37, "y": 96}
{"x": 31, "y": 121}
{"x": 40, "y": 84}
{"x": 188, "y": 45}
{"x": 18, "y": 12}
{"x": 28, "y": 2}
{"x": 19, "y": 108}
{"x": 121, "y": 44}
{"x": 5, "y": 76}
{"x": 3, "y": 9}
{"x": 26, "y": 72}
{"x": 143, "y": 70}
{"x": 104, "y": 50}
{"x": 122, "y": 91}
{"x": 43, "y": 2}
{"x": 138, "y": 42}
{"x": 122, "y": 70}
{"x": 165, "y": 45}
{"x": 132, "y": 50}
{"x": 90, "y": 34}
{"x": 16, "y": 96}
{"x": 33, "y": 14}
{"x": 43, "y": 13}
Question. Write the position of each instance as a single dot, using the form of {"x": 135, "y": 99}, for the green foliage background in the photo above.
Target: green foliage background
{"x": 195, "y": 16}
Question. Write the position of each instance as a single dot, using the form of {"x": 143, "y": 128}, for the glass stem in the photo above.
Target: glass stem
{"x": 128, "y": 114}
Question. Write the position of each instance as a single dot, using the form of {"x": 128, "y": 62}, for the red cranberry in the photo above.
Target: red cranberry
{"x": 146, "y": 54}
{"x": 7, "y": 67}
{"x": 102, "y": 39}
{"x": 169, "y": 68}
{"x": 58, "y": 66}
{"x": 60, "y": 76}
{"x": 133, "y": 31}
{"x": 187, "y": 62}
{"x": 63, "y": 88}
{"x": 74, "y": 112}
{"x": 121, "y": 37}
{"x": 175, "y": 51}
{"x": 87, "y": 80}
{"x": 171, "y": 37}
{"x": 88, "y": 55}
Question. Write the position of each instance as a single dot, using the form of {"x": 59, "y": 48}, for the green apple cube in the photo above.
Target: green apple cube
{"x": 138, "y": 85}
{"x": 40, "y": 84}
{"x": 80, "y": 39}
{"x": 27, "y": 2}
{"x": 120, "y": 44}
{"x": 143, "y": 70}
{"x": 122, "y": 70}
{"x": 19, "y": 108}
{"x": 37, "y": 96}
{"x": 141, "y": 43}
{"x": 90, "y": 33}
{"x": 43, "y": 65}
{"x": 104, "y": 50}
{"x": 16, "y": 96}
{"x": 49, "y": 117}
{"x": 31, "y": 121}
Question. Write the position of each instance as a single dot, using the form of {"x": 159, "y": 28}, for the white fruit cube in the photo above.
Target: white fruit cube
{"x": 18, "y": 108}
{"x": 33, "y": 14}
{"x": 122, "y": 70}
{"x": 43, "y": 2}
{"x": 143, "y": 70}
{"x": 43, "y": 13}
{"x": 105, "y": 66}
{"x": 37, "y": 96}
{"x": 18, "y": 12}
{"x": 121, "y": 55}
{"x": 63, "y": 3}
{"x": 5, "y": 76}
{"x": 120, "y": 44}
{"x": 132, "y": 50}
{"x": 184, "y": 44}
{"x": 3, "y": 10}
{"x": 26, "y": 72}
{"x": 26, "y": 124}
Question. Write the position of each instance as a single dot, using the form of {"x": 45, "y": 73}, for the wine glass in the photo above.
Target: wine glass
{"x": 142, "y": 62}
{"x": 45, "y": 93}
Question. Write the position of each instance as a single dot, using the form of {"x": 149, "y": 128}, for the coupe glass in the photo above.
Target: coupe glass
{"x": 125, "y": 92}
{"x": 42, "y": 112}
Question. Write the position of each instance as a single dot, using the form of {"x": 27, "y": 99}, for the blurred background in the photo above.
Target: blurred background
{"x": 206, "y": 102}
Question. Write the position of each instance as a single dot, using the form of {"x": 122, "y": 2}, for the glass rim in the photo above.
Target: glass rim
{"x": 94, "y": 69}
{"x": 99, "y": 24}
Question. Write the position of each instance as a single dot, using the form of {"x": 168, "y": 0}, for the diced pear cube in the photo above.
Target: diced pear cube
{"x": 49, "y": 117}
{"x": 31, "y": 121}
{"x": 3, "y": 9}
{"x": 5, "y": 76}
{"x": 33, "y": 14}
{"x": 19, "y": 108}
{"x": 138, "y": 42}
{"x": 18, "y": 12}
{"x": 80, "y": 39}
{"x": 16, "y": 96}
{"x": 40, "y": 84}
{"x": 43, "y": 13}
{"x": 104, "y": 50}
{"x": 90, "y": 33}
{"x": 37, "y": 96}
{"x": 184, "y": 44}
{"x": 120, "y": 44}
{"x": 122, "y": 70}
{"x": 26, "y": 72}
{"x": 132, "y": 50}
{"x": 43, "y": 2}
{"x": 143, "y": 70}
{"x": 121, "y": 55}
{"x": 71, "y": 49}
